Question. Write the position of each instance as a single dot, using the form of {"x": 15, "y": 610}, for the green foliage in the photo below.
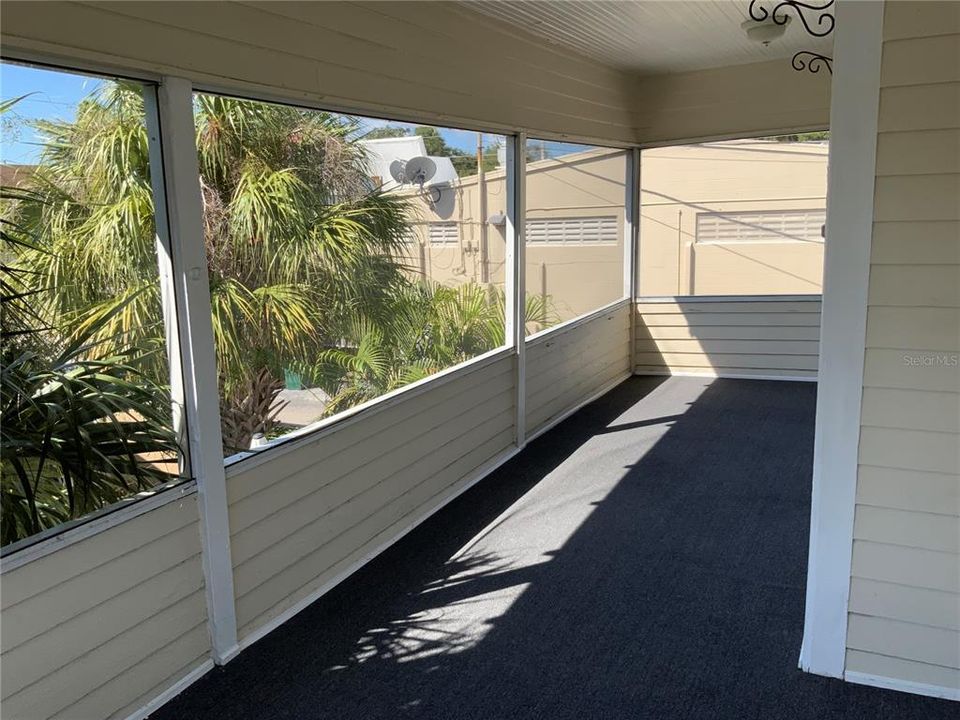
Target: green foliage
{"x": 387, "y": 131}
{"x": 302, "y": 257}
{"x": 81, "y": 424}
{"x": 432, "y": 327}
{"x": 298, "y": 244}
{"x": 817, "y": 136}
{"x": 463, "y": 162}
{"x": 77, "y": 433}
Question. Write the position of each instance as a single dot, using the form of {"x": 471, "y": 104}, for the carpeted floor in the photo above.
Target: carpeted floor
{"x": 645, "y": 559}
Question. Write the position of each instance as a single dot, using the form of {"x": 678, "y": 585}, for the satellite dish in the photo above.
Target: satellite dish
{"x": 419, "y": 170}
{"x": 397, "y": 171}
{"x": 441, "y": 198}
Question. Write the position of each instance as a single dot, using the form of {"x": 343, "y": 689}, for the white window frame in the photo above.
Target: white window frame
{"x": 173, "y": 118}
{"x": 40, "y": 544}
{"x": 629, "y": 234}
{"x": 179, "y": 225}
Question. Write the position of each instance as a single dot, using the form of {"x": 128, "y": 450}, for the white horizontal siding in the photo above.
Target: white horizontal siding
{"x": 730, "y": 102}
{"x": 908, "y": 490}
{"x": 909, "y": 528}
{"x": 568, "y": 365}
{"x": 911, "y": 410}
{"x": 910, "y": 641}
{"x": 762, "y": 337}
{"x": 883, "y": 666}
{"x": 299, "y": 521}
{"x": 915, "y": 286}
{"x": 413, "y": 60}
{"x": 932, "y": 242}
{"x": 904, "y": 609}
{"x": 904, "y": 603}
{"x": 903, "y": 565}
{"x": 97, "y": 628}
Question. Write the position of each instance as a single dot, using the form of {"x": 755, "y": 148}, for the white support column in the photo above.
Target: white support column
{"x": 172, "y": 123}
{"x": 853, "y": 143}
{"x": 167, "y": 282}
{"x": 516, "y": 274}
{"x": 631, "y": 242}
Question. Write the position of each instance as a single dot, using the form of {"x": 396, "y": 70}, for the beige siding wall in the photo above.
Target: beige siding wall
{"x": 416, "y": 59}
{"x": 568, "y": 365}
{"x": 100, "y": 627}
{"x": 904, "y": 620}
{"x": 736, "y": 101}
{"x": 410, "y": 60}
{"x": 748, "y": 337}
{"x": 302, "y": 520}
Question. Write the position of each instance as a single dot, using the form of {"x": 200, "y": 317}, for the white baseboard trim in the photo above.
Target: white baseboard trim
{"x": 301, "y": 605}
{"x": 228, "y": 655}
{"x": 730, "y": 376}
{"x": 580, "y": 405}
{"x": 937, "y": 691}
{"x": 171, "y": 692}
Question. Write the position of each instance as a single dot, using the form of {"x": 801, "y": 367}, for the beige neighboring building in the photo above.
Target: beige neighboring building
{"x": 727, "y": 218}
{"x": 742, "y": 217}
{"x": 575, "y": 208}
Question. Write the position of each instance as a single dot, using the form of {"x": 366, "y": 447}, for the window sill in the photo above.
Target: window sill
{"x": 22, "y": 552}
{"x": 241, "y": 462}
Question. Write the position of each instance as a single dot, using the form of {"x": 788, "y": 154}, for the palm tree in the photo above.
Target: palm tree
{"x": 301, "y": 250}
{"x": 81, "y": 426}
{"x": 77, "y": 433}
{"x": 298, "y": 242}
{"x": 432, "y": 327}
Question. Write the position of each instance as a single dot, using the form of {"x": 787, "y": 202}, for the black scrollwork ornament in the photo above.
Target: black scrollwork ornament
{"x": 811, "y": 61}
{"x": 816, "y": 19}
{"x": 821, "y": 28}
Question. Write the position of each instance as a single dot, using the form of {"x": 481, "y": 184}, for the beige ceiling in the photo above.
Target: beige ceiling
{"x": 651, "y": 36}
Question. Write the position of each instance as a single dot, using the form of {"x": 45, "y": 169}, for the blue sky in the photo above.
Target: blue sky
{"x": 55, "y": 94}
{"x": 52, "y": 95}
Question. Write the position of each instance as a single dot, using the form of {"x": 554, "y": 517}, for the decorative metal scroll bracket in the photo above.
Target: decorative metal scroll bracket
{"x": 812, "y": 62}
{"x": 819, "y": 23}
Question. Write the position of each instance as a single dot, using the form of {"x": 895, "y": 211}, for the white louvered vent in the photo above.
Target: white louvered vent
{"x": 776, "y": 226}
{"x": 444, "y": 233}
{"x": 572, "y": 231}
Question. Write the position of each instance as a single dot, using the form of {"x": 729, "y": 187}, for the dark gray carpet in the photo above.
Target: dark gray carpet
{"x": 645, "y": 559}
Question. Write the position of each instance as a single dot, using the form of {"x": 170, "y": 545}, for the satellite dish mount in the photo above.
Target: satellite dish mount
{"x": 419, "y": 170}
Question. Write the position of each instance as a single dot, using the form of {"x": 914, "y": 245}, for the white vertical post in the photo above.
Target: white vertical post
{"x": 166, "y": 278}
{"x": 182, "y": 217}
{"x": 631, "y": 241}
{"x": 854, "y": 108}
{"x": 516, "y": 274}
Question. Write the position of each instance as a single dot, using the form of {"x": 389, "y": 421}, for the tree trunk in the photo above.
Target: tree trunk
{"x": 250, "y": 411}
